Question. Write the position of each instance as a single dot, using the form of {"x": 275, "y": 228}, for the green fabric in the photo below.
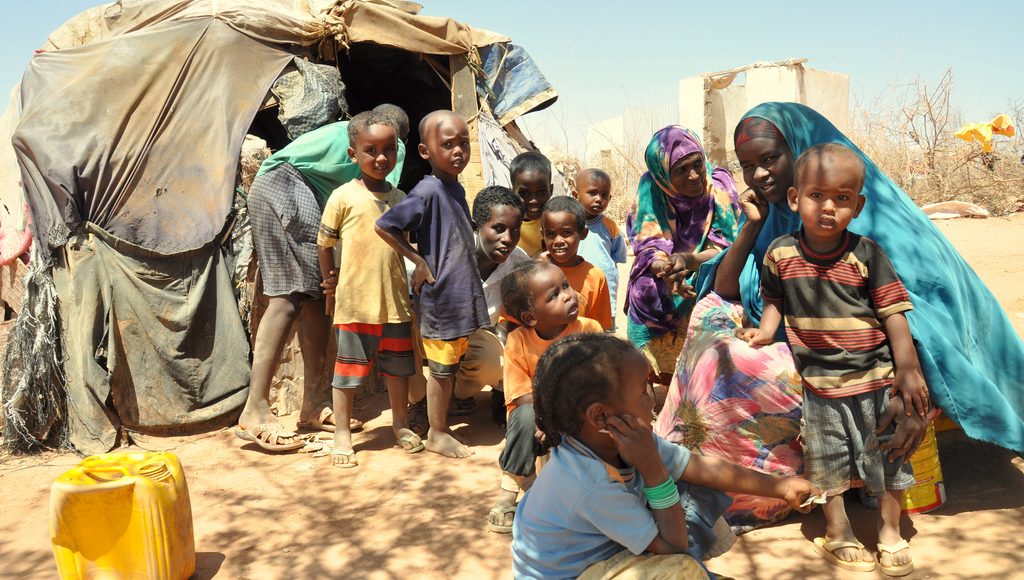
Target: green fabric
{"x": 321, "y": 156}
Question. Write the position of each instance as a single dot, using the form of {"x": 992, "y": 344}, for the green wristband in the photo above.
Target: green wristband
{"x": 662, "y": 496}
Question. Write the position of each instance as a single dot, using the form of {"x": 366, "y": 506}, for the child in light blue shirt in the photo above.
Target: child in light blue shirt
{"x": 605, "y": 247}
{"x": 613, "y": 492}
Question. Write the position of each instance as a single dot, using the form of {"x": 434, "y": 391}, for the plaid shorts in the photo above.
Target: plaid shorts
{"x": 841, "y": 449}
{"x": 359, "y": 345}
{"x": 285, "y": 217}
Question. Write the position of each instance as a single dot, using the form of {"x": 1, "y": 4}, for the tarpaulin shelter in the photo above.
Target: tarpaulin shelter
{"x": 130, "y": 124}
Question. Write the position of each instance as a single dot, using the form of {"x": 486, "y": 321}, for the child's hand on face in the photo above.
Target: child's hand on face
{"x": 753, "y": 336}
{"x": 634, "y": 441}
{"x": 796, "y": 490}
{"x": 911, "y": 386}
{"x": 421, "y": 275}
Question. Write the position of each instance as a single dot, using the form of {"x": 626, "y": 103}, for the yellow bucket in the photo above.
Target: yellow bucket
{"x": 123, "y": 515}
{"x": 929, "y": 493}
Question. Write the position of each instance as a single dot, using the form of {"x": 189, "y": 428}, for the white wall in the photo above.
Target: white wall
{"x": 827, "y": 92}
{"x": 604, "y": 140}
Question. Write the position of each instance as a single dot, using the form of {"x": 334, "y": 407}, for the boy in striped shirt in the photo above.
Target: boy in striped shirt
{"x": 844, "y": 307}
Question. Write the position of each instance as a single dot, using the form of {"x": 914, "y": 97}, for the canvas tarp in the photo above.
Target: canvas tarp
{"x": 149, "y": 347}
{"x": 140, "y": 134}
{"x": 512, "y": 83}
{"x": 283, "y": 22}
{"x": 128, "y": 145}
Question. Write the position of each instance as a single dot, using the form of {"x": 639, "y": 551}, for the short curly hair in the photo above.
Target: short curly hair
{"x": 491, "y": 197}
{"x": 570, "y": 205}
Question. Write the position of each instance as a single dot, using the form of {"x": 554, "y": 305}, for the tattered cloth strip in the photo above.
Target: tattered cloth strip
{"x": 33, "y": 392}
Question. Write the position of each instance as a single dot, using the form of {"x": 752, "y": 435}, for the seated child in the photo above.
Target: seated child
{"x": 604, "y": 246}
{"x": 530, "y": 174}
{"x": 612, "y": 490}
{"x": 540, "y": 297}
{"x": 843, "y": 305}
{"x": 370, "y": 306}
{"x": 564, "y": 227}
{"x": 448, "y": 297}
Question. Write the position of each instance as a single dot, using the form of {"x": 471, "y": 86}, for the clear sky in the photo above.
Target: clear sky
{"x": 604, "y": 56}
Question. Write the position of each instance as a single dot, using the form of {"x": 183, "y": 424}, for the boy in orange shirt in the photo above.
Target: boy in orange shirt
{"x": 564, "y": 226}
{"x": 538, "y": 295}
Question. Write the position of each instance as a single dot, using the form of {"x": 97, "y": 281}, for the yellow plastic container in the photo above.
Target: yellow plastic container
{"x": 929, "y": 493}
{"x": 123, "y": 515}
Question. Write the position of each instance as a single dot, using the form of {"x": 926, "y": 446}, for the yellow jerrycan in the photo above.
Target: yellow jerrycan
{"x": 125, "y": 516}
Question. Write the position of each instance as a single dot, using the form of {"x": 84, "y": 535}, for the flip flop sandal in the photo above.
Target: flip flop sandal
{"x": 411, "y": 443}
{"x": 350, "y": 459}
{"x": 891, "y": 549}
{"x": 460, "y": 407}
{"x": 497, "y": 515}
{"x": 321, "y": 424}
{"x": 267, "y": 436}
{"x": 826, "y": 549}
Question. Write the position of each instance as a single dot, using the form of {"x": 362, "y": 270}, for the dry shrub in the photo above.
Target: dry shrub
{"x": 909, "y": 134}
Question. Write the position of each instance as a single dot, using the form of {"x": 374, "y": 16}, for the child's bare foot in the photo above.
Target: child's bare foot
{"x": 445, "y": 443}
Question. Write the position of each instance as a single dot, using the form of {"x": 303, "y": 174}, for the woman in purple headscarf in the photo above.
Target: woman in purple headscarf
{"x": 686, "y": 212}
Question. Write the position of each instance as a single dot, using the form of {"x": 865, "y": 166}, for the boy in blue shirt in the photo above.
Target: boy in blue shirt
{"x": 605, "y": 247}
{"x": 448, "y": 293}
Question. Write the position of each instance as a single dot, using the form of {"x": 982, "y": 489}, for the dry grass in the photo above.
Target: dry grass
{"x": 909, "y": 134}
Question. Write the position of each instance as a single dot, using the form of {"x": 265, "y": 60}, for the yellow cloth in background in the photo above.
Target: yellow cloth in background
{"x": 983, "y": 132}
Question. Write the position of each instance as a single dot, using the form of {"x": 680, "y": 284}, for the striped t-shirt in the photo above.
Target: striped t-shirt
{"x": 833, "y": 306}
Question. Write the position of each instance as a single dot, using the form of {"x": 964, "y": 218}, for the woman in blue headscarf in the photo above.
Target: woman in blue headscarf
{"x": 971, "y": 357}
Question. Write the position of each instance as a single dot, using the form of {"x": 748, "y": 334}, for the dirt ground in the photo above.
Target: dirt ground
{"x": 259, "y": 515}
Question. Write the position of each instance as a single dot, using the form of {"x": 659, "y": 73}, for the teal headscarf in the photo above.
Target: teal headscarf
{"x": 321, "y": 156}
{"x": 971, "y": 356}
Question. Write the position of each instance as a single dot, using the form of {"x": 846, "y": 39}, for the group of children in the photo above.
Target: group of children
{"x": 539, "y": 273}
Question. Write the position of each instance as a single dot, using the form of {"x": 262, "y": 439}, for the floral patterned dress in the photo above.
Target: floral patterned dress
{"x": 736, "y": 402}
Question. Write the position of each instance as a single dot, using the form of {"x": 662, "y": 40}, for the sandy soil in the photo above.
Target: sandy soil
{"x": 260, "y": 515}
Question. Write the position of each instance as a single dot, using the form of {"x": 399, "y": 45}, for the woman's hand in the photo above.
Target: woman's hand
{"x": 754, "y": 207}
{"x": 675, "y": 271}
{"x": 910, "y": 431}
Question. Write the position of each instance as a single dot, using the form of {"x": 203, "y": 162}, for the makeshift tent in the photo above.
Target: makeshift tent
{"x": 129, "y": 128}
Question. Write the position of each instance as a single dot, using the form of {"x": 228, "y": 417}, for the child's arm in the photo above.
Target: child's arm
{"x": 771, "y": 316}
{"x": 636, "y": 446}
{"x": 618, "y": 250}
{"x": 397, "y": 241}
{"x": 328, "y": 273}
{"x": 725, "y": 476}
{"x": 909, "y": 381}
